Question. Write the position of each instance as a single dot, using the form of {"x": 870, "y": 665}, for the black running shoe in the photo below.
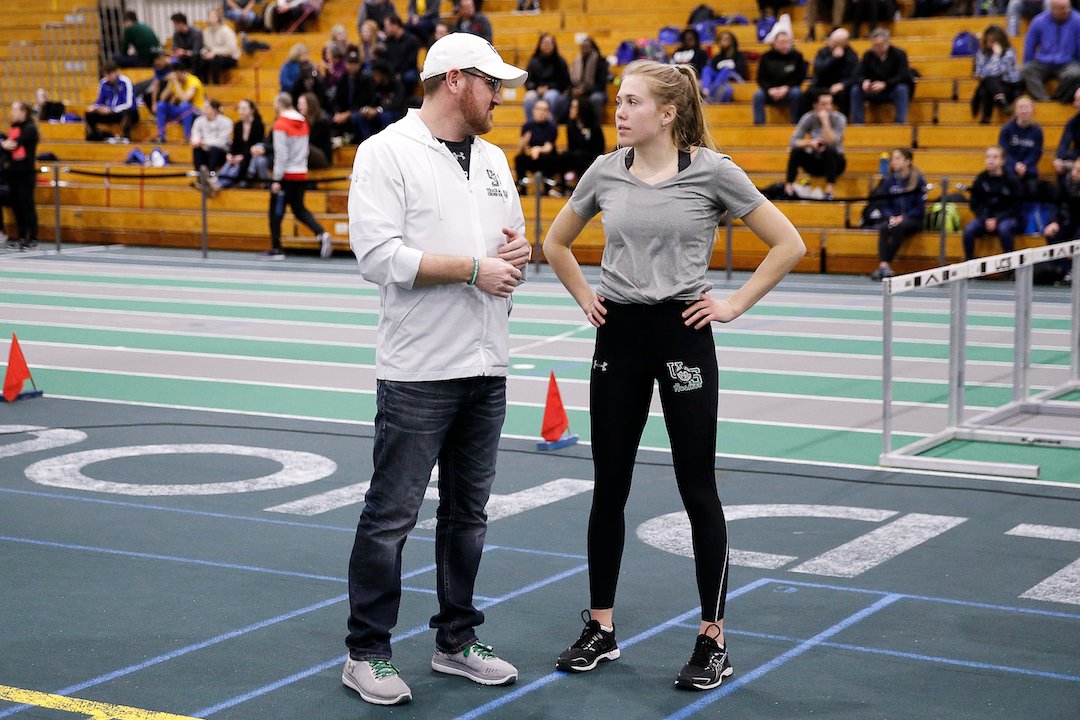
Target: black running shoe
{"x": 595, "y": 645}
{"x": 708, "y": 666}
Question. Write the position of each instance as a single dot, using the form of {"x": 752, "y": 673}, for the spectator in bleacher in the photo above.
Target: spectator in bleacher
{"x": 20, "y": 145}
{"x": 1022, "y": 140}
{"x": 187, "y": 43}
{"x": 727, "y": 66}
{"x": 1016, "y": 9}
{"x": 139, "y": 43}
{"x": 589, "y": 75}
{"x": 471, "y": 20}
{"x": 423, "y": 16}
{"x": 528, "y": 6}
{"x": 1064, "y": 223}
{"x": 290, "y": 138}
{"x": 995, "y": 200}
{"x": 391, "y": 100}
{"x": 549, "y": 77}
{"x": 837, "y": 7}
{"x": 402, "y": 50}
{"x": 354, "y": 102}
{"x": 242, "y": 13}
{"x": 221, "y": 49}
{"x": 901, "y": 196}
{"x": 309, "y": 81}
{"x": 1068, "y": 148}
{"x": 835, "y": 66}
{"x": 780, "y": 74}
{"x": 1052, "y": 50}
{"x": 45, "y": 109}
{"x": 689, "y": 52}
{"x": 248, "y": 132}
{"x": 872, "y": 13}
{"x": 299, "y": 55}
{"x": 149, "y": 89}
{"x": 211, "y": 134}
{"x": 115, "y": 104}
{"x": 998, "y": 75}
{"x": 537, "y": 151}
{"x": 376, "y": 11}
{"x": 883, "y": 75}
{"x": 441, "y": 31}
{"x": 370, "y": 45}
{"x": 332, "y": 61}
{"x": 180, "y": 100}
{"x": 584, "y": 141}
{"x": 817, "y": 145}
{"x": 320, "y": 150}
{"x": 291, "y": 15}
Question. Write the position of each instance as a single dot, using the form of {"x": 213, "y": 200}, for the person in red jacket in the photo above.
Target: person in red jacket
{"x": 20, "y": 148}
{"x": 291, "y": 135}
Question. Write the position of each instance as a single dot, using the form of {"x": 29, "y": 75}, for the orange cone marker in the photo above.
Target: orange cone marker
{"x": 556, "y": 426}
{"x": 17, "y": 375}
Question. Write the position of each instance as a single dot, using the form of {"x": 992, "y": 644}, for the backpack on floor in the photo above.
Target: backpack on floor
{"x": 935, "y": 216}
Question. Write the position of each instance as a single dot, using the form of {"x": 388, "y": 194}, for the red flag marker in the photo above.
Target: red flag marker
{"x": 556, "y": 426}
{"x": 17, "y": 374}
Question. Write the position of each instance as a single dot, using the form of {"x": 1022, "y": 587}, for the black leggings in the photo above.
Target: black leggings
{"x": 292, "y": 194}
{"x": 891, "y": 238}
{"x": 637, "y": 345}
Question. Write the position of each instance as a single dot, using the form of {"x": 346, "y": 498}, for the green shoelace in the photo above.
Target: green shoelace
{"x": 482, "y": 651}
{"x": 382, "y": 669}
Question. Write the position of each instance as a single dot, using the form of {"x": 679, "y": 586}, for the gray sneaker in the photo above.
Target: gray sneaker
{"x": 326, "y": 245}
{"x": 377, "y": 681}
{"x": 476, "y": 662}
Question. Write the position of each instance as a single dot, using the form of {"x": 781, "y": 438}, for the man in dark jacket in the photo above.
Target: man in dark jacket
{"x": 354, "y": 101}
{"x": 995, "y": 200}
{"x": 401, "y": 52}
{"x": 781, "y": 71}
{"x": 834, "y": 70}
{"x": 883, "y": 75}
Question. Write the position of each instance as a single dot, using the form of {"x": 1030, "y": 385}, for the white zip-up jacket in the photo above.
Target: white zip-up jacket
{"x": 409, "y": 196}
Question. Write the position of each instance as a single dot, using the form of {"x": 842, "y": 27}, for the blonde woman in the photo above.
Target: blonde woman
{"x": 662, "y": 194}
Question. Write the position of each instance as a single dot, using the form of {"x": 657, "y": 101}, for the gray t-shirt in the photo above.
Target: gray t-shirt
{"x": 658, "y": 239}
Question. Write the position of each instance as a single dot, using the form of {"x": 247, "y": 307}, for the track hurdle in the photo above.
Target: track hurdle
{"x": 986, "y": 427}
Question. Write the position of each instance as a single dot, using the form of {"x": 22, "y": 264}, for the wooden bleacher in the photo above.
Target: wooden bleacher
{"x": 149, "y": 209}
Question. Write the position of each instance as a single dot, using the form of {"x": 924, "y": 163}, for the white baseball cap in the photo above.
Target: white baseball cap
{"x": 461, "y": 51}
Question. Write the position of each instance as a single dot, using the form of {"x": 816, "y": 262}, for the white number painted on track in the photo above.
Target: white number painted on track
{"x": 44, "y": 439}
{"x": 1064, "y": 585}
{"x": 671, "y": 533}
{"x": 297, "y": 468}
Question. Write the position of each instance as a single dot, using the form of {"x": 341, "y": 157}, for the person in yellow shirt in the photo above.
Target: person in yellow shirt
{"x": 180, "y": 100}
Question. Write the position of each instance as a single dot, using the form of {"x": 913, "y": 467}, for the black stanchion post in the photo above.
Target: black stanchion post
{"x": 204, "y": 189}
{"x": 728, "y": 251}
{"x": 538, "y": 182}
{"x": 56, "y": 204}
{"x": 943, "y": 215}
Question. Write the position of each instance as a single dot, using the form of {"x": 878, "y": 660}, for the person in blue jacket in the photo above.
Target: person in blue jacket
{"x": 902, "y": 198}
{"x": 1022, "y": 140}
{"x": 1052, "y": 50}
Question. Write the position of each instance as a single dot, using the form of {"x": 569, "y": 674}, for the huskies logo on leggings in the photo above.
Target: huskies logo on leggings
{"x": 686, "y": 378}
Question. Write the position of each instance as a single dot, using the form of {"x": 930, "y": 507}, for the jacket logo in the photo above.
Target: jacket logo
{"x": 496, "y": 189}
{"x": 686, "y": 378}
{"x": 601, "y": 366}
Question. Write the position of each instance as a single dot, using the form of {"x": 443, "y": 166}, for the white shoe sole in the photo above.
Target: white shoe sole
{"x": 454, "y": 669}
{"x": 705, "y": 686}
{"x": 375, "y": 699}
{"x": 605, "y": 657}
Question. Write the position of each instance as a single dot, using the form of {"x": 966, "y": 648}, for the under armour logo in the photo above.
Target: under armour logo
{"x": 601, "y": 366}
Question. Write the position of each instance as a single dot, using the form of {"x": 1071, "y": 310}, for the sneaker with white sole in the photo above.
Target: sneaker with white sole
{"x": 708, "y": 666}
{"x": 595, "y": 646}
{"x": 377, "y": 681}
{"x": 477, "y": 662}
{"x": 326, "y": 245}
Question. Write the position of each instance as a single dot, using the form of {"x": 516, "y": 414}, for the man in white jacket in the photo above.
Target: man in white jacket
{"x": 435, "y": 221}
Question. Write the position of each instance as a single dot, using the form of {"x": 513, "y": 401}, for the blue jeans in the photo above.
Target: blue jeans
{"x": 792, "y": 99}
{"x": 456, "y": 423}
{"x": 1006, "y": 232}
{"x": 555, "y": 100}
{"x": 184, "y": 112}
{"x": 899, "y": 95}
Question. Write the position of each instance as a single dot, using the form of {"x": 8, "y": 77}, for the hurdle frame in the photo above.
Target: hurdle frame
{"x": 984, "y": 427}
